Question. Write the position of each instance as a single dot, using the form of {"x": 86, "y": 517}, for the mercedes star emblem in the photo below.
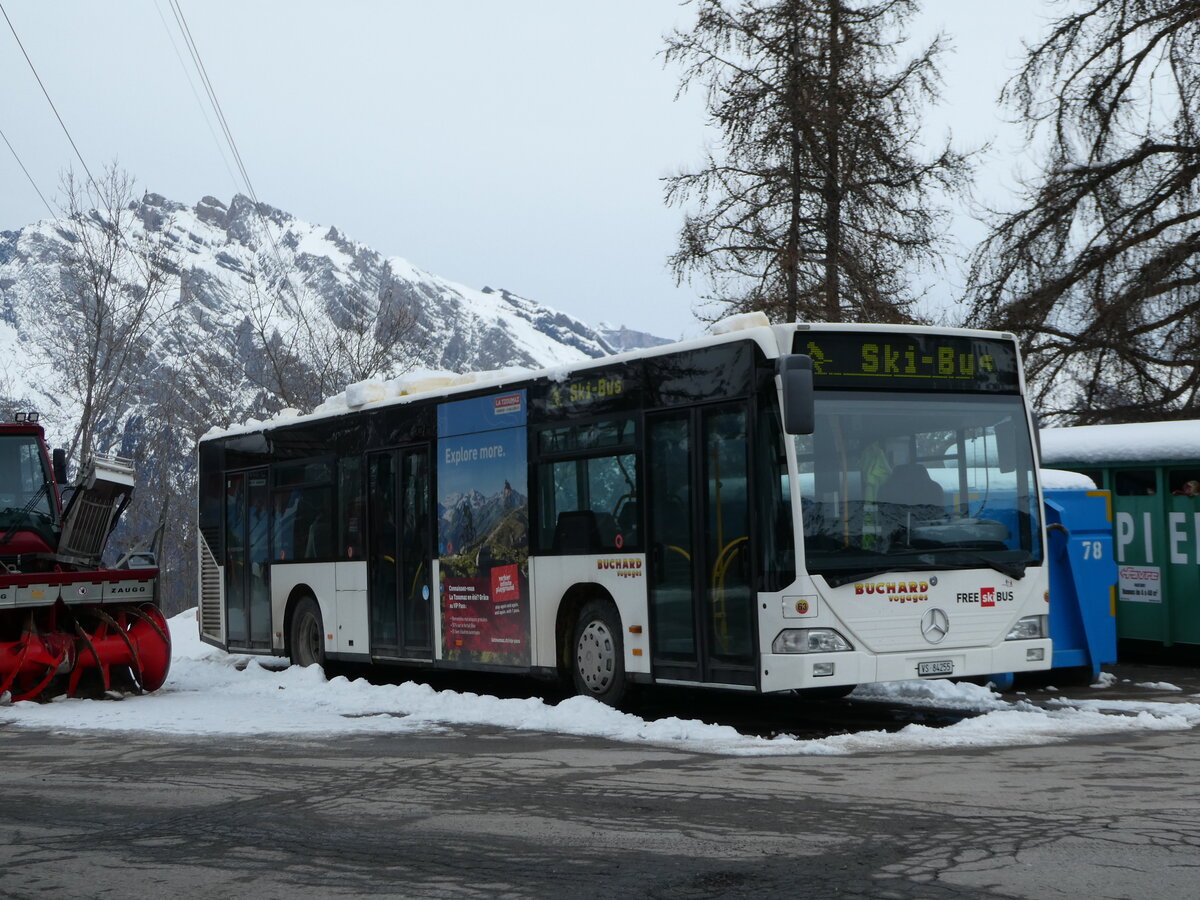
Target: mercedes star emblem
{"x": 935, "y": 625}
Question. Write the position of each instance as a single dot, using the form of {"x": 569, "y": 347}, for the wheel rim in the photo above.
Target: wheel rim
{"x": 310, "y": 640}
{"x": 596, "y": 656}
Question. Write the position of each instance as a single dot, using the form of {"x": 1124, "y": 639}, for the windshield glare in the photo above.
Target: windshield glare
{"x": 901, "y": 482}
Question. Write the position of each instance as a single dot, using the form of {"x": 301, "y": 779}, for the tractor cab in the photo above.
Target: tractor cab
{"x": 29, "y": 501}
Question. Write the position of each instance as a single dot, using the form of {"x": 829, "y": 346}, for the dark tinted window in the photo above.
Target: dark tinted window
{"x": 350, "y": 508}
{"x": 592, "y": 436}
{"x": 302, "y": 525}
{"x": 1135, "y": 483}
{"x": 695, "y": 376}
{"x": 588, "y": 498}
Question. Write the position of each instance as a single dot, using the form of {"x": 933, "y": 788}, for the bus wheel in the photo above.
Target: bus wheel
{"x": 306, "y": 642}
{"x": 598, "y": 655}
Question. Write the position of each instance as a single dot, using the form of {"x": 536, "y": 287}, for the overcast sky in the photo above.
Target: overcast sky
{"x": 511, "y": 143}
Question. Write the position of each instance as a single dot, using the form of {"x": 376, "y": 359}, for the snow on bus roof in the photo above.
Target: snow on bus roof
{"x": 426, "y": 383}
{"x": 1136, "y": 443}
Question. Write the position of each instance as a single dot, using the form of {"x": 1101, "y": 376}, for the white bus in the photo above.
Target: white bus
{"x": 774, "y": 507}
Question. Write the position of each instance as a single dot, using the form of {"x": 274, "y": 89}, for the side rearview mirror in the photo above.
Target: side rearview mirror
{"x": 59, "y": 458}
{"x": 796, "y": 371}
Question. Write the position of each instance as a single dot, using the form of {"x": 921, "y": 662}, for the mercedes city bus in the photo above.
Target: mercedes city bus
{"x": 769, "y": 508}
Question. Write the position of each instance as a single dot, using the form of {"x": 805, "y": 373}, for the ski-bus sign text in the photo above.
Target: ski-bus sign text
{"x": 896, "y": 361}
{"x": 586, "y": 391}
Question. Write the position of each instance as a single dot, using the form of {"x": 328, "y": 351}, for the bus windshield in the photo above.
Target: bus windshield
{"x": 904, "y": 482}
{"x": 24, "y": 483}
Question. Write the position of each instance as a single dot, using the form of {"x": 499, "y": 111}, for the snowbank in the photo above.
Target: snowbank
{"x": 211, "y": 692}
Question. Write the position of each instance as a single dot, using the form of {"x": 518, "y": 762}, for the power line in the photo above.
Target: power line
{"x": 195, "y": 94}
{"x": 27, "y": 175}
{"x": 194, "y": 50}
{"x": 181, "y": 20}
{"x": 99, "y": 193}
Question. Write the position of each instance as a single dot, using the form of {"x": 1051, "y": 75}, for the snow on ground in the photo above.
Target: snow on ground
{"x": 211, "y": 692}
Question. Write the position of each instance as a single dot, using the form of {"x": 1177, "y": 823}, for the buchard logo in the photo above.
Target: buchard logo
{"x": 625, "y": 568}
{"x": 896, "y": 591}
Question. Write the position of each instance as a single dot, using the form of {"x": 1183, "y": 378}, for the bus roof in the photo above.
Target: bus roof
{"x": 774, "y": 340}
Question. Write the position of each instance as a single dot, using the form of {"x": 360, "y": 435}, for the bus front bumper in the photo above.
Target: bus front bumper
{"x": 796, "y": 671}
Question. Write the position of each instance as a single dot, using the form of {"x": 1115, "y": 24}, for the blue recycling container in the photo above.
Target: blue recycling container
{"x": 1083, "y": 580}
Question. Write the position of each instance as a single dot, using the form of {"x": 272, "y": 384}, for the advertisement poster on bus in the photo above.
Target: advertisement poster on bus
{"x": 483, "y": 529}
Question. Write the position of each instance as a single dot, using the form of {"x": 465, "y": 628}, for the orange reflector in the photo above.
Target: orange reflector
{"x": 329, "y": 637}
{"x": 635, "y": 629}
{"x": 637, "y": 651}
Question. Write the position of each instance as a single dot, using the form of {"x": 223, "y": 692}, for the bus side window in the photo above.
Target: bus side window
{"x": 589, "y": 499}
{"x": 604, "y": 488}
{"x": 350, "y": 508}
{"x": 774, "y": 502}
{"x": 302, "y": 513}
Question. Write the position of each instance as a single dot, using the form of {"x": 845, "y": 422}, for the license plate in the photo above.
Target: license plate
{"x": 936, "y": 667}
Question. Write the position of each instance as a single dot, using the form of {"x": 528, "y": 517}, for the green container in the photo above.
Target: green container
{"x": 1156, "y": 521}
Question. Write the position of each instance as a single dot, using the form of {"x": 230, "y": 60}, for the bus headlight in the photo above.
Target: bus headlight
{"x": 1028, "y": 628}
{"x": 809, "y": 640}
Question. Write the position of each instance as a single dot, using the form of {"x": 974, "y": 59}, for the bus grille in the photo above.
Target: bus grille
{"x": 211, "y": 618}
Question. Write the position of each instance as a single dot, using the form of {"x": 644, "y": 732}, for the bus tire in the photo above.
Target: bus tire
{"x": 598, "y": 653}
{"x": 306, "y": 642}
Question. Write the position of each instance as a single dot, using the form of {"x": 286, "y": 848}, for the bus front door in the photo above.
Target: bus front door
{"x": 400, "y": 549}
{"x": 247, "y": 554}
{"x": 701, "y": 586}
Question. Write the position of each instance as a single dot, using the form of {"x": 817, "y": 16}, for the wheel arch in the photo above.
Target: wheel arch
{"x": 573, "y": 600}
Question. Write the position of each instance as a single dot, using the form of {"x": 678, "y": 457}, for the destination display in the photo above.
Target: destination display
{"x": 915, "y": 362}
{"x": 587, "y": 391}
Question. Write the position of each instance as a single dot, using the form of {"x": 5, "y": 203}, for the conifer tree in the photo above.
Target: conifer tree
{"x": 815, "y": 202}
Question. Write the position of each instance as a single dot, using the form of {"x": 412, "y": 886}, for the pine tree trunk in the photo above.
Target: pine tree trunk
{"x": 832, "y": 191}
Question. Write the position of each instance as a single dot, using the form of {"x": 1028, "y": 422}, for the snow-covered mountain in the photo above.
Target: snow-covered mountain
{"x": 232, "y": 260}
{"x": 259, "y": 311}
{"x": 621, "y": 338}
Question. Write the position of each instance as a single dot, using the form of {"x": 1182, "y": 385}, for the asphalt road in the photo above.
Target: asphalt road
{"x": 473, "y": 812}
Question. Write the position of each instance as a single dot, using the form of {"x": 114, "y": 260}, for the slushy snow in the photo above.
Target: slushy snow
{"x": 209, "y": 692}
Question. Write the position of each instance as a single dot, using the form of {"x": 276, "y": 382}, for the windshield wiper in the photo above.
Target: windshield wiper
{"x": 917, "y": 560}
{"x": 840, "y": 578}
{"x": 1013, "y": 568}
{"x": 23, "y": 513}
{"x": 878, "y": 564}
